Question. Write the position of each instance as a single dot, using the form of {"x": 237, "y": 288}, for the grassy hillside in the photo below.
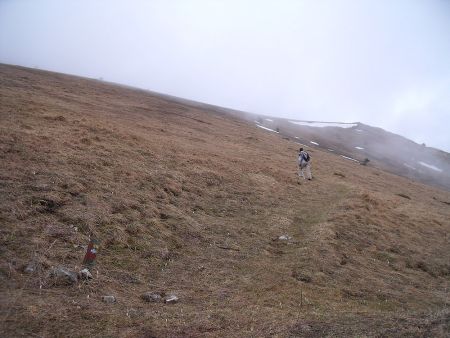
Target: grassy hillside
{"x": 192, "y": 202}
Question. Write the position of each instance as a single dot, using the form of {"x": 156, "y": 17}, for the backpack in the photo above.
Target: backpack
{"x": 306, "y": 157}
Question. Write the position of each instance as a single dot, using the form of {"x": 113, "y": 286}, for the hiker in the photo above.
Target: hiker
{"x": 304, "y": 164}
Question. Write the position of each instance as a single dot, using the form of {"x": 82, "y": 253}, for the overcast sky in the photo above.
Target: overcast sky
{"x": 384, "y": 63}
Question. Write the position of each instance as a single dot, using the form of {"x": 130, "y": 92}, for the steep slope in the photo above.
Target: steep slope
{"x": 193, "y": 202}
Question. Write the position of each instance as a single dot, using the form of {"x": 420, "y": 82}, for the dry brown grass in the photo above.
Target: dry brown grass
{"x": 192, "y": 202}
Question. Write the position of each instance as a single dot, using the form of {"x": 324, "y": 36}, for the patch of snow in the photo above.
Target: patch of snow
{"x": 273, "y": 131}
{"x": 325, "y": 124}
{"x": 296, "y": 137}
{"x": 359, "y": 130}
{"x": 270, "y": 120}
{"x": 349, "y": 158}
{"x": 360, "y": 148}
{"x": 430, "y": 166}
{"x": 314, "y": 143}
{"x": 330, "y": 149}
{"x": 409, "y": 166}
{"x": 256, "y": 122}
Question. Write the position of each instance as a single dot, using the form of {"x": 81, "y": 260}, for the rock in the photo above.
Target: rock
{"x": 63, "y": 276}
{"x": 85, "y": 274}
{"x": 305, "y": 328}
{"x": 152, "y": 297}
{"x": 171, "y": 299}
{"x": 284, "y": 238}
{"x": 30, "y": 268}
{"x": 109, "y": 299}
{"x": 300, "y": 276}
{"x": 132, "y": 313}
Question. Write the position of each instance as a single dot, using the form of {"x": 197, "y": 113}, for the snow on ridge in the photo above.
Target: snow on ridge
{"x": 359, "y": 130}
{"x": 314, "y": 143}
{"x": 409, "y": 166}
{"x": 360, "y": 148}
{"x": 330, "y": 149}
{"x": 274, "y": 131}
{"x": 349, "y": 158}
{"x": 270, "y": 120}
{"x": 325, "y": 124}
{"x": 430, "y": 166}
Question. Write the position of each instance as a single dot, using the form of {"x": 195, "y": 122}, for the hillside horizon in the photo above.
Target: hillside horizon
{"x": 213, "y": 106}
{"x": 193, "y": 202}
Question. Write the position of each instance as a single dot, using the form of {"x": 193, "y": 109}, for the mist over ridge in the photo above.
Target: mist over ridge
{"x": 382, "y": 63}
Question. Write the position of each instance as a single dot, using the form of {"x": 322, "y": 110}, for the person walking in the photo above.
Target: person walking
{"x": 304, "y": 166}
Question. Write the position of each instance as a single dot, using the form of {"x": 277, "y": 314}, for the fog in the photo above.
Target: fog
{"x": 383, "y": 63}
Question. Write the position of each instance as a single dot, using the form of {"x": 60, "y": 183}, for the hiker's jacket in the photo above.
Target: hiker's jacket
{"x": 302, "y": 159}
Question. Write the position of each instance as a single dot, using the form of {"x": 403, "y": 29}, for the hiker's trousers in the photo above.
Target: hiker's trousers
{"x": 306, "y": 169}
